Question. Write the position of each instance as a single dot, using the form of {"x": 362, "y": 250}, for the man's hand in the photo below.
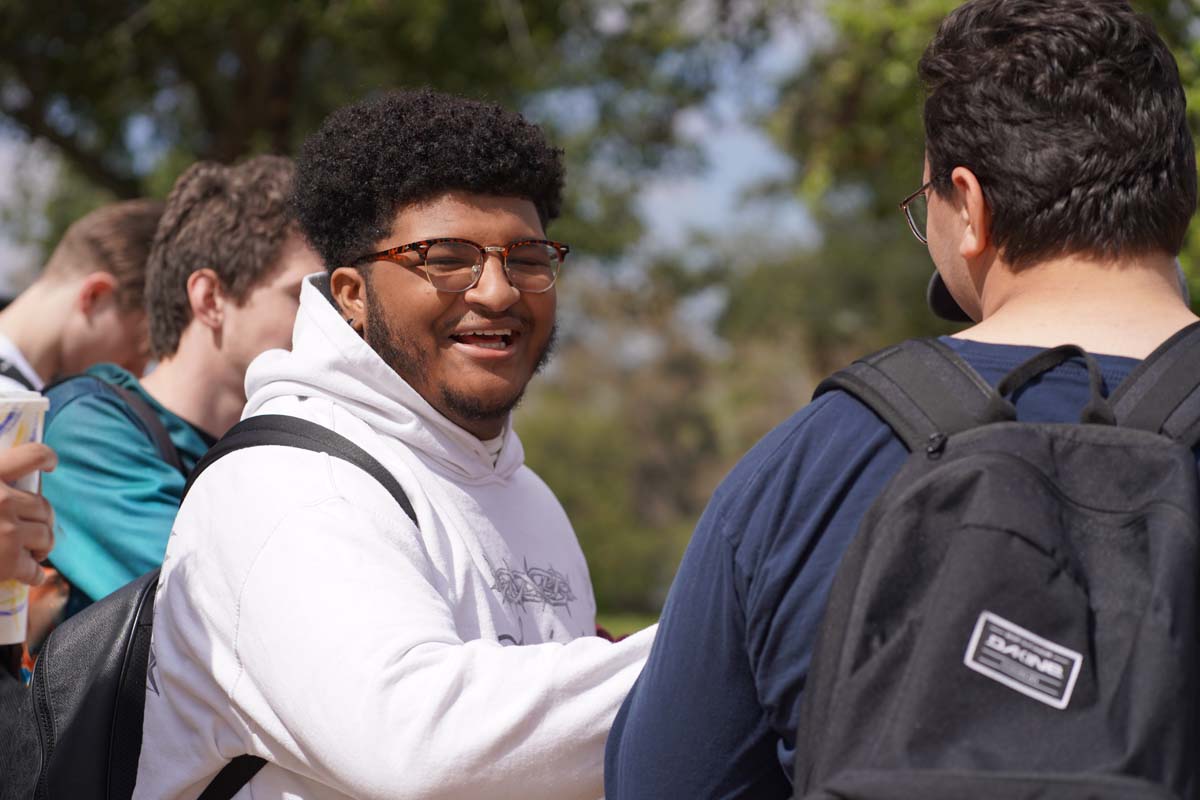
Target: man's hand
{"x": 26, "y": 520}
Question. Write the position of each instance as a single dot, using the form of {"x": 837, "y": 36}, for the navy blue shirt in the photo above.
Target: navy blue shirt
{"x": 713, "y": 714}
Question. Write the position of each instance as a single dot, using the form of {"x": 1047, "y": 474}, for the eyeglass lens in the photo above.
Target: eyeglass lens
{"x": 918, "y": 213}
{"x": 451, "y": 266}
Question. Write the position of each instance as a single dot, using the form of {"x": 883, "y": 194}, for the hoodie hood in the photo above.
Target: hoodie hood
{"x": 330, "y": 360}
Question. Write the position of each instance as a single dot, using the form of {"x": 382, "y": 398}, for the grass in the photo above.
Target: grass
{"x": 619, "y": 624}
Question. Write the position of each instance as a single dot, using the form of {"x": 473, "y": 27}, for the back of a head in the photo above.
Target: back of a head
{"x": 371, "y": 158}
{"x": 1071, "y": 114}
{"x": 116, "y": 239}
{"x": 233, "y": 220}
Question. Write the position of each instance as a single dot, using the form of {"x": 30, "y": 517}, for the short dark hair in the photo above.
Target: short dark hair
{"x": 1072, "y": 115}
{"x": 371, "y": 158}
{"x": 232, "y": 220}
{"x": 116, "y": 239}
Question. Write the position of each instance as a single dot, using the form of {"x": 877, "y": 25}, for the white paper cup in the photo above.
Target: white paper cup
{"x": 22, "y": 415}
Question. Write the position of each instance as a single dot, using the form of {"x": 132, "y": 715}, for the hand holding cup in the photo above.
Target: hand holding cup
{"x": 26, "y": 519}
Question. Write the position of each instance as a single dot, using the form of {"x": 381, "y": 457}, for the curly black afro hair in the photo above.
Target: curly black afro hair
{"x": 371, "y": 158}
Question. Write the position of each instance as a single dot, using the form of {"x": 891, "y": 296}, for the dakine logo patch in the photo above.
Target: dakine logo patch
{"x": 1023, "y": 661}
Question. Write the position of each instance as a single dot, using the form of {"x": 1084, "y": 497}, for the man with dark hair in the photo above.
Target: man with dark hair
{"x": 223, "y": 283}
{"x": 302, "y": 618}
{"x": 87, "y": 305}
{"x": 1060, "y": 179}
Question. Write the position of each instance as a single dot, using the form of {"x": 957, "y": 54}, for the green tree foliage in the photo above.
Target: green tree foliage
{"x": 131, "y": 91}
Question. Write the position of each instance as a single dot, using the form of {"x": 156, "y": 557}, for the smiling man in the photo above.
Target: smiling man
{"x": 302, "y": 617}
{"x": 470, "y": 346}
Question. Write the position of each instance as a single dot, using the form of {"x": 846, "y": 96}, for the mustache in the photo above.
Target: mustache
{"x": 475, "y": 319}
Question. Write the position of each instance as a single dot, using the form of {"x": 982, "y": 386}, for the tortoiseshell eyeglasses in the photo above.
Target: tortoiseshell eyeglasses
{"x": 456, "y": 265}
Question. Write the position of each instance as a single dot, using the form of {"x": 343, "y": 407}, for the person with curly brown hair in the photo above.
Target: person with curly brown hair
{"x": 222, "y": 286}
{"x": 311, "y": 636}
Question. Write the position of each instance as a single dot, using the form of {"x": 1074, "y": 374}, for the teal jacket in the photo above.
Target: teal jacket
{"x": 114, "y": 497}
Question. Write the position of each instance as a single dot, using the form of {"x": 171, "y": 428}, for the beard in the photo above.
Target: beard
{"x": 476, "y": 409}
{"x": 408, "y": 360}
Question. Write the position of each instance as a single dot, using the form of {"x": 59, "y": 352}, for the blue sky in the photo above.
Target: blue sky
{"x": 738, "y": 154}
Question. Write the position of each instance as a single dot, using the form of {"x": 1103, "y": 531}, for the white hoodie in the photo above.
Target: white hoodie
{"x": 301, "y": 617}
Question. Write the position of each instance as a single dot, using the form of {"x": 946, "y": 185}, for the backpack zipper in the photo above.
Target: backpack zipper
{"x": 45, "y": 720}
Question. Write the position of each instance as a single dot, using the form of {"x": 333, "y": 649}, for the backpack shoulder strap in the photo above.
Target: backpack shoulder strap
{"x": 288, "y": 431}
{"x": 152, "y": 425}
{"x": 138, "y": 410}
{"x": 1161, "y": 393}
{"x": 232, "y": 777}
{"x": 285, "y": 431}
{"x": 921, "y": 389}
{"x": 12, "y": 372}
{"x": 131, "y": 690}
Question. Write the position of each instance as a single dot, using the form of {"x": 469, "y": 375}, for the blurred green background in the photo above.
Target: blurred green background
{"x": 734, "y": 174}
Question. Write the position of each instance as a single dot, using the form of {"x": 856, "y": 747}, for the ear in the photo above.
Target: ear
{"x": 349, "y": 289}
{"x": 976, "y": 217}
{"x": 206, "y": 298}
{"x": 93, "y": 289}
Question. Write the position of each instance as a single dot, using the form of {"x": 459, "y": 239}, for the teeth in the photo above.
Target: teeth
{"x": 476, "y": 338}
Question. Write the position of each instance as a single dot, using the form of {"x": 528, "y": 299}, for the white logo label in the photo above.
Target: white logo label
{"x": 1023, "y": 661}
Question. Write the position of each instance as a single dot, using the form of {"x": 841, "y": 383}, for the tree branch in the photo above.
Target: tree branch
{"x": 283, "y": 84}
{"x": 89, "y": 164}
{"x": 209, "y": 106}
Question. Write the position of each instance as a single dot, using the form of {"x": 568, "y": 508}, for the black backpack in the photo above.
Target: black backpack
{"x": 1016, "y": 616}
{"x": 89, "y": 685}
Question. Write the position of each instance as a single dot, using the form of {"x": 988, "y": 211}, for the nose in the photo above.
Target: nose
{"x": 493, "y": 291}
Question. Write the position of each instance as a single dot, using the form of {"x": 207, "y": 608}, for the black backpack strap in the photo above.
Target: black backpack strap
{"x": 125, "y": 741}
{"x": 138, "y": 410}
{"x": 285, "y": 431}
{"x": 923, "y": 390}
{"x": 1160, "y": 395}
{"x": 288, "y": 431}
{"x": 151, "y": 424}
{"x": 12, "y": 372}
{"x": 232, "y": 777}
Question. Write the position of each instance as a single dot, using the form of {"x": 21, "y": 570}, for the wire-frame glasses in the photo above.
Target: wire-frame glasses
{"x": 916, "y": 211}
